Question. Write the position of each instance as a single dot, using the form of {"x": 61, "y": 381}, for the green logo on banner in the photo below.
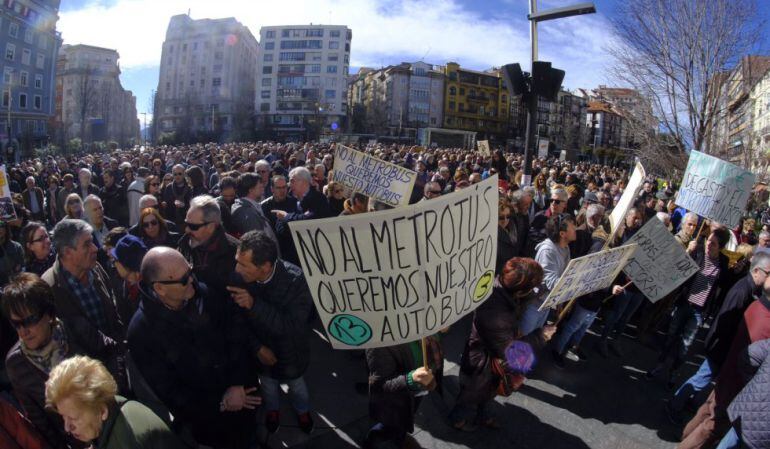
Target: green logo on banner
{"x": 350, "y": 330}
{"x": 483, "y": 285}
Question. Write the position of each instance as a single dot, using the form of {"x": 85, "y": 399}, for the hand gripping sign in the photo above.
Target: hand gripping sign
{"x": 395, "y": 276}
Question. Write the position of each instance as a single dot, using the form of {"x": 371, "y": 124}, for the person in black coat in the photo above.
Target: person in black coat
{"x": 276, "y": 302}
{"x": 281, "y": 200}
{"x": 114, "y": 198}
{"x": 722, "y": 331}
{"x": 190, "y": 344}
{"x": 311, "y": 205}
{"x": 506, "y": 248}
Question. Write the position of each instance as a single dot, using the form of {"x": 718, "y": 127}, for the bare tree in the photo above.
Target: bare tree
{"x": 85, "y": 93}
{"x": 674, "y": 52}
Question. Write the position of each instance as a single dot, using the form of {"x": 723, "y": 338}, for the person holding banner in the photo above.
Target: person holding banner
{"x": 494, "y": 330}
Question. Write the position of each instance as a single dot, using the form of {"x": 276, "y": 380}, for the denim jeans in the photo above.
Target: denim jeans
{"x": 271, "y": 390}
{"x": 685, "y": 321}
{"x": 731, "y": 440}
{"x": 623, "y": 307}
{"x": 532, "y": 319}
{"x": 700, "y": 380}
{"x": 573, "y": 330}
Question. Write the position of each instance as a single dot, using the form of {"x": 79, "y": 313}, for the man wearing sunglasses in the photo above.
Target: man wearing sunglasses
{"x": 537, "y": 231}
{"x": 190, "y": 344}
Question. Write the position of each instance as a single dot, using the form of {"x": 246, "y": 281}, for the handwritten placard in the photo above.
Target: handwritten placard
{"x": 587, "y": 274}
{"x": 7, "y": 211}
{"x": 375, "y": 178}
{"x": 391, "y": 277}
{"x": 660, "y": 264}
{"x": 715, "y": 189}
{"x": 630, "y": 194}
{"x": 483, "y": 146}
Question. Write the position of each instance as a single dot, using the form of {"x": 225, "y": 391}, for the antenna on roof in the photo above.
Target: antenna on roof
{"x": 426, "y": 54}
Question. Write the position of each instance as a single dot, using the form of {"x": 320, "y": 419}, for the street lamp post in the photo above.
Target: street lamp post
{"x": 530, "y": 145}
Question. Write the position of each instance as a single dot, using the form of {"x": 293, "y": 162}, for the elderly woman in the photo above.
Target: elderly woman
{"x": 39, "y": 254}
{"x": 84, "y": 393}
{"x": 28, "y": 303}
{"x": 335, "y": 193}
{"x": 73, "y": 206}
{"x": 153, "y": 230}
{"x": 495, "y": 340}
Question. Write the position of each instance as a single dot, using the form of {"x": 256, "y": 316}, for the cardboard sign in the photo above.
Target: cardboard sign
{"x": 660, "y": 264}
{"x": 627, "y": 199}
{"x": 587, "y": 274}
{"x": 375, "y": 178}
{"x": 542, "y": 148}
{"x": 563, "y": 155}
{"x": 395, "y": 276}
{"x": 7, "y": 212}
{"x": 715, "y": 189}
{"x": 483, "y": 146}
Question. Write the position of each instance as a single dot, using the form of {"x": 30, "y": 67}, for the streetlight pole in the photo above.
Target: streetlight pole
{"x": 530, "y": 145}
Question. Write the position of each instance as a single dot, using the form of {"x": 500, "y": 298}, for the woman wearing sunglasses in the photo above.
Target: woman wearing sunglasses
{"x": 39, "y": 254}
{"x": 153, "y": 230}
{"x": 43, "y": 343}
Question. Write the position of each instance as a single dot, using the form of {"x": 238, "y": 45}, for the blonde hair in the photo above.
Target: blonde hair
{"x": 82, "y": 379}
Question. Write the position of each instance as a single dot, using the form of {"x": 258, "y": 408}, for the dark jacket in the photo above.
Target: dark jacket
{"x": 191, "y": 356}
{"x": 214, "y": 261}
{"x": 131, "y": 425}
{"x": 722, "y": 331}
{"x": 137, "y": 228}
{"x": 280, "y": 320}
{"x": 506, "y": 249}
{"x": 285, "y": 242}
{"x": 173, "y": 193}
{"x": 105, "y": 344}
{"x": 115, "y": 202}
{"x": 313, "y": 206}
{"x": 26, "y": 194}
{"x": 749, "y": 412}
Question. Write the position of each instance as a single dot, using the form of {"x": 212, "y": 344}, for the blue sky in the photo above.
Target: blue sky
{"x": 477, "y": 34}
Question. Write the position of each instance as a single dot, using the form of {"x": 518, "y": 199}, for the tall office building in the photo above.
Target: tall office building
{"x": 94, "y": 105}
{"x": 28, "y": 35}
{"x": 302, "y": 80}
{"x": 207, "y": 80}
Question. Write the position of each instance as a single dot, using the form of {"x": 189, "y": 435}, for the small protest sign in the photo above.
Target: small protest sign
{"x": 630, "y": 194}
{"x": 715, "y": 189}
{"x": 359, "y": 172}
{"x": 7, "y": 211}
{"x": 483, "y": 146}
{"x": 542, "y": 148}
{"x": 660, "y": 264}
{"x": 395, "y": 276}
{"x": 587, "y": 274}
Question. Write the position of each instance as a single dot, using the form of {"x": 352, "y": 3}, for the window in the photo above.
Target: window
{"x": 452, "y": 90}
{"x": 264, "y": 107}
{"x": 269, "y": 45}
{"x": 330, "y": 94}
{"x": 267, "y": 70}
{"x": 315, "y": 33}
{"x": 268, "y": 57}
{"x": 217, "y": 68}
{"x": 26, "y": 56}
{"x": 315, "y": 68}
{"x": 270, "y": 34}
{"x": 265, "y": 94}
{"x": 334, "y": 57}
{"x": 184, "y": 47}
{"x": 13, "y": 29}
{"x": 29, "y": 36}
{"x": 6, "y": 98}
{"x": 10, "y": 52}
{"x": 331, "y": 69}
{"x": 219, "y": 55}
{"x": 334, "y": 45}
{"x": 216, "y": 82}
{"x": 292, "y": 56}
{"x": 23, "y": 101}
{"x": 42, "y": 43}
{"x": 7, "y": 74}
{"x": 462, "y": 91}
{"x": 24, "y": 79}
{"x": 451, "y": 105}
{"x": 38, "y": 102}
{"x": 267, "y": 82}
{"x": 334, "y": 33}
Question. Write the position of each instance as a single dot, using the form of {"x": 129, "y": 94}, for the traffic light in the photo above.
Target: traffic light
{"x": 544, "y": 82}
{"x": 515, "y": 80}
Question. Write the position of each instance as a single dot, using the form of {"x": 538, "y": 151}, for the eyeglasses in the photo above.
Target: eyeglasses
{"x": 339, "y": 191}
{"x": 155, "y": 184}
{"x": 556, "y": 201}
{"x": 148, "y": 224}
{"x": 178, "y": 174}
{"x": 196, "y": 226}
{"x": 27, "y": 322}
{"x": 504, "y": 217}
{"x": 434, "y": 192}
{"x": 40, "y": 239}
{"x": 184, "y": 280}
{"x": 767, "y": 273}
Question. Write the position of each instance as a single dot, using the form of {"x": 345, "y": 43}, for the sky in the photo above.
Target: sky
{"x": 477, "y": 34}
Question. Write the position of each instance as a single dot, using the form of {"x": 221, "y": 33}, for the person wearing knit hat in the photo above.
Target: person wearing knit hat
{"x": 128, "y": 255}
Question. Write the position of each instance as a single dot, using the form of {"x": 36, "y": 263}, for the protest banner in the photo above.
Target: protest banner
{"x": 7, "y": 212}
{"x": 660, "y": 264}
{"x": 563, "y": 155}
{"x": 587, "y": 274}
{"x": 542, "y": 148}
{"x": 395, "y": 276}
{"x": 715, "y": 189}
{"x": 630, "y": 194}
{"x": 483, "y": 146}
{"x": 375, "y": 178}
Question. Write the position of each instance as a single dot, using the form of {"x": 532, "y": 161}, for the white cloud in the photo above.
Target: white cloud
{"x": 384, "y": 31}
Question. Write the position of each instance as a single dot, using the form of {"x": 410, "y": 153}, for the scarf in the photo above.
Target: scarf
{"x": 47, "y": 357}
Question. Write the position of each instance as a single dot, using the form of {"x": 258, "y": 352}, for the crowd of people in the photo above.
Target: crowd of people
{"x": 153, "y": 297}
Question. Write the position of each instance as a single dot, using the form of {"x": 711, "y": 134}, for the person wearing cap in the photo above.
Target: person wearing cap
{"x": 128, "y": 255}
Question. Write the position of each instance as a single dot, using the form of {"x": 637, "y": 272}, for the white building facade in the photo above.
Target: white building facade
{"x": 301, "y": 80}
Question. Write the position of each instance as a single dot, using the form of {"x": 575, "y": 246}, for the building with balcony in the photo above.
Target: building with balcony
{"x": 560, "y": 122}
{"x": 760, "y": 99}
{"x": 302, "y": 80}
{"x": 93, "y": 105}
{"x": 28, "y": 36}
{"x": 475, "y": 101}
{"x": 206, "y": 88}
